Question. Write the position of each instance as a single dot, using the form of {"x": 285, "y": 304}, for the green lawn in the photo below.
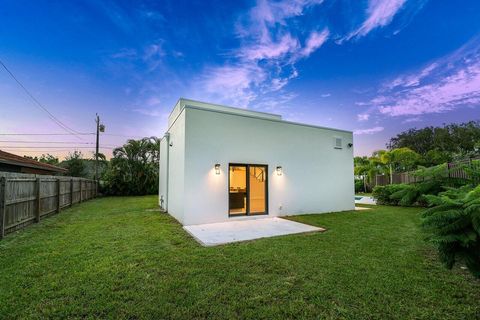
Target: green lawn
{"x": 120, "y": 258}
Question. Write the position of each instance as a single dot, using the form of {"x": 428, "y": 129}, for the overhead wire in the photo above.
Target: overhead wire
{"x": 40, "y": 105}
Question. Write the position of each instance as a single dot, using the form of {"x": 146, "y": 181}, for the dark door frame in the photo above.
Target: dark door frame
{"x": 247, "y": 172}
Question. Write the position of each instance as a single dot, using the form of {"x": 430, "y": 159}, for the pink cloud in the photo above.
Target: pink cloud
{"x": 363, "y": 117}
{"x": 368, "y": 131}
{"x": 232, "y": 83}
{"x": 446, "y": 84}
{"x": 380, "y": 13}
{"x": 267, "y": 55}
{"x": 270, "y": 49}
{"x": 459, "y": 89}
{"x": 315, "y": 41}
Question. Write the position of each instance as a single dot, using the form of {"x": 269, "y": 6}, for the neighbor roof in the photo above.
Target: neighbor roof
{"x": 15, "y": 160}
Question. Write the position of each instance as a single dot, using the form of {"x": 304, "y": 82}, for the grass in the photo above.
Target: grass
{"x": 120, "y": 258}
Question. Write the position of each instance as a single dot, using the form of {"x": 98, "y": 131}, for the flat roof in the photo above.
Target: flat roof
{"x": 183, "y": 103}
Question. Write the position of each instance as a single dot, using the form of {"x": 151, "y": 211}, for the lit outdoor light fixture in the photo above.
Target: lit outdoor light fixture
{"x": 279, "y": 170}
{"x": 217, "y": 168}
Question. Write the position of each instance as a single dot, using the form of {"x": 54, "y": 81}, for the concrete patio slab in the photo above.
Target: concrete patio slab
{"x": 213, "y": 234}
{"x": 362, "y": 208}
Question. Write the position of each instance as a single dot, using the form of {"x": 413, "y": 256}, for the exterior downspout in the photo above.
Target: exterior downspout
{"x": 167, "y": 136}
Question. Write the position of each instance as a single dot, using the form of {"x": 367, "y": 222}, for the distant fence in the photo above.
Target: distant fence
{"x": 454, "y": 170}
{"x": 28, "y": 198}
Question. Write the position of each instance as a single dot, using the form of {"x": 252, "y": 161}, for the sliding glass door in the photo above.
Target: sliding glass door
{"x": 248, "y": 189}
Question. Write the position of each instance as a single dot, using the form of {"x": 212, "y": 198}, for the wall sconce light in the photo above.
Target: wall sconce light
{"x": 279, "y": 170}
{"x": 350, "y": 145}
{"x": 217, "y": 168}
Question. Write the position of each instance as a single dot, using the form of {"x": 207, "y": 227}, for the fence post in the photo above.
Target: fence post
{"x": 71, "y": 192}
{"x": 38, "y": 200}
{"x": 59, "y": 194}
{"x": 80, "y": 180}
{"x": 3, "y": 205}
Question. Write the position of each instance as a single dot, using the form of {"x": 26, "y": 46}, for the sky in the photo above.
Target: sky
{"x": 373, "y": 67}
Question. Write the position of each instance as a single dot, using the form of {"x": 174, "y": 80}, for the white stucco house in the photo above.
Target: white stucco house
{"x": 221, "y": 164}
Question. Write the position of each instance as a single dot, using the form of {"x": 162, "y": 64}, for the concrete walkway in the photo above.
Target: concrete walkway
{"x": 213, "y": 234}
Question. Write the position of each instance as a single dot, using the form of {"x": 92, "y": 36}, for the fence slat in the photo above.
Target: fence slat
{"x": 59, "y": 194}
{"x": 39, "y": 199}
{"x": 3, "y": 205}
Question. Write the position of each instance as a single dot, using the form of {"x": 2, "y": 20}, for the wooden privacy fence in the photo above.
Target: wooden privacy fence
{"x": 25, "y": 199}
{"x": 454, "y": 170}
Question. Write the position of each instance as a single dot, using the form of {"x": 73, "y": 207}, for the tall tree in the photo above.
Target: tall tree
{"x": 48, "y": 158}
{"x": 75, "y": 164}
{"x": 452, "y": 138}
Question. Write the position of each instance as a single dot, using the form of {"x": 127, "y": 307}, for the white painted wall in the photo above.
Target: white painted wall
{"x": 316, "y": 177}
{"x": 162, "y": 172}
{"x": 174, "y": 193}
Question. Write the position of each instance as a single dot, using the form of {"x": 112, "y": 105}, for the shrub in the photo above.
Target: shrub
{"x": 359, "y": 187}
{"x": 454, "y": 226}
{"x": 414, "y": 194}
{"x": 382, "y": 193}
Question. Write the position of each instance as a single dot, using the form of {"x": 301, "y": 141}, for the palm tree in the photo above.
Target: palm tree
{"x": 134, "y": 167}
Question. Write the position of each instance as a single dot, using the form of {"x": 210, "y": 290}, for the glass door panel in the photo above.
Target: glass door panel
{"x": 257, "y": 189}
{"x": 238, "y": 190}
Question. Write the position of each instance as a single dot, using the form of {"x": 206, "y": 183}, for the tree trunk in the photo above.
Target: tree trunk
{"x": 391, "y": 174}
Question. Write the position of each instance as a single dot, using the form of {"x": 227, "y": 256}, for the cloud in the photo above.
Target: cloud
{"x": 152, "y": 112}
{"x": 233, "y": 83}
{"x": 368, "y": 131}
{"x": 414, "y": 119}
{"x": 379, "y": 14}
{"x": 267, "y": 14}
{"x": 446, "y": 84}
{"x": 265, "y": 60}
{"x": 413, "y": 80}
{"x": 363, "y": 117}
{"x": 125, "y": 53}
{"x": 269, "y": 49}
{"x": 325, "y": 95}
{"x": 315, "y": 41}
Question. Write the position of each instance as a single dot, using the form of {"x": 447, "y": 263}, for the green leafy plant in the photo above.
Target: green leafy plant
{"x": 414, "y": 194}
{"x": 382, "y": 193}
{"x": 453, "y": 222}
{"x": 133, "y": 170}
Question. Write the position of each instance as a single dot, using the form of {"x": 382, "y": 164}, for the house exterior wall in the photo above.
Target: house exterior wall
{"x": 316, "y": 177}
{"x": 171, "y": 186}
{"x": 162, "y": 172}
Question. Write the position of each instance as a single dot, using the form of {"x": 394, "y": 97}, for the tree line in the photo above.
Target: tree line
{"x": 133, "y": 169}
{"x": 414, "y": 148}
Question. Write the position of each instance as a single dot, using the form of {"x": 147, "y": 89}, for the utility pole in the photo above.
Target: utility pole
{"x": 100, "y": 128}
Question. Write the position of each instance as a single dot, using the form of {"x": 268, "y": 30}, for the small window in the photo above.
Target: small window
{"x": 338, "y": 143}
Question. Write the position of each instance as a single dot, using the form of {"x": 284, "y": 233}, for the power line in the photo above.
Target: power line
{"x": 62, "y": 142}
{"x": 50, "y": 115}
{"x": 45, "y": 134}
{"x": 68, "y": 134}
{"x": 121, "y": 135}
{"x": 56, "y": 147}
{"x": 37, "y": 151}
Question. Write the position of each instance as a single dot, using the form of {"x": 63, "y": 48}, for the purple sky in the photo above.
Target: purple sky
{"x": 374, "y": 67}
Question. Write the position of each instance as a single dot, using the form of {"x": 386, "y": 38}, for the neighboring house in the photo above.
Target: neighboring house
{"x": 13, "y": 163}
{"x": 221, "y": 164}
